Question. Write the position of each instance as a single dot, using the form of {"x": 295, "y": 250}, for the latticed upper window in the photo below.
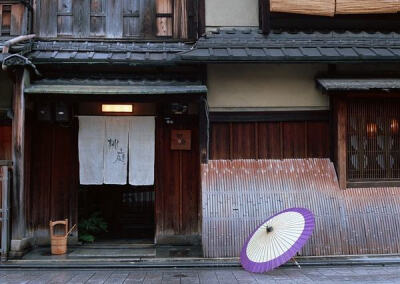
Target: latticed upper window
{"x": 373, "y": 140}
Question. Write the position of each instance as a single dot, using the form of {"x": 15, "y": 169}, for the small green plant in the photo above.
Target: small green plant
{"x": 91, "y": 226}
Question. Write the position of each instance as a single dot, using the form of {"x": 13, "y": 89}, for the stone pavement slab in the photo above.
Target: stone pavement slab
{"x": 331, "y": 274}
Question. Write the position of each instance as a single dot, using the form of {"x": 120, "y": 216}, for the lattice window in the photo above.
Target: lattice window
{"x": 373, "y": 140}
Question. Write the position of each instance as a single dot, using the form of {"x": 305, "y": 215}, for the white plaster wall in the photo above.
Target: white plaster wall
{"x": 231, "y": 13}
{"x": 272, "y": 86}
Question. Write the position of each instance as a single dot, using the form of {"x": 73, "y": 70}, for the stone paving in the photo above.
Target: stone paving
{"x": 337, "y": 274}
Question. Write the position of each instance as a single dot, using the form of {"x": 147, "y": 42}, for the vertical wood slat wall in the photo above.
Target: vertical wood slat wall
{"x": 54, "y": 175}
{"x": 117, "y": 18}
{"x": 177, "y": 183}
{"x": 269, "y": 140}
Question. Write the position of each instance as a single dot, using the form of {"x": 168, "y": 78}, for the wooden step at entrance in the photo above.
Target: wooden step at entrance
{"x": 112, "y": 253}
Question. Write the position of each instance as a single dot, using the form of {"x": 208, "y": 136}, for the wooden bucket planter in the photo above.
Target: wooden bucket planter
{"x": 59, "y": 242}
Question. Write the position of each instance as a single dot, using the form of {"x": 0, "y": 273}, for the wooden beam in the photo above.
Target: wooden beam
{"x": 377, "y": 22}
{"x": 18, "y": 156}
{"x": 269, "y": 116}
{"x": 201, "y": 17}
{"x": 264, "y": 16}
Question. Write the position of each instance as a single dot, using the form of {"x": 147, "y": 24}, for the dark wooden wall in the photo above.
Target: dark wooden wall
{"x": 269, "y": 140}
{"x": 54, "y": 174}
{"x": 178, "y": 184}
{"x": 5, "y": 142}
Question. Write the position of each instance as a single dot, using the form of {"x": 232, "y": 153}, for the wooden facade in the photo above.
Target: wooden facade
{"x": 170, "y": 213}
{"x": 236, "y": 168}
{"x": 269, "y": 140}
{"x": 116, "y": 19}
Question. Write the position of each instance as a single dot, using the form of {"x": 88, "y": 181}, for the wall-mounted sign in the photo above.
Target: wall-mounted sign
{"x": 181, "y": 140}
{"x": 116, "y": 108}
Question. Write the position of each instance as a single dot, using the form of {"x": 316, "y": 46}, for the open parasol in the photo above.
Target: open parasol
{"x": 277, "y": 240}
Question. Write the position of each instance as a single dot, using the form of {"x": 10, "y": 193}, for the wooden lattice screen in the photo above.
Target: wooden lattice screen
{"x": 373, "y": 140}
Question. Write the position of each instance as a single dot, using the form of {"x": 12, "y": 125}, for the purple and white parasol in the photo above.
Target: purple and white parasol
{"x": 277, "y": 240}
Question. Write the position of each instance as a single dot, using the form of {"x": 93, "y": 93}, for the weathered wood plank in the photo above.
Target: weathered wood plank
{"x": 18, "y": 19}
{"x": 164, "y": 23}
{"x": 180, "y": 19}
{"x": 64, "y": 18}
{"x": 81, "y": 20}
{"x": 132, "y": 12}
{"x": 149, "y": 26}
{"x": 18, "y": 156}
{"x": 114, "y": 19}
{"x": 97, "y": 17}
{"x": 48, "y": 18}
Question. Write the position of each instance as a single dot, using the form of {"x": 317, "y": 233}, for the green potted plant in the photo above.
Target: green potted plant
{"x": 90, "y": 227}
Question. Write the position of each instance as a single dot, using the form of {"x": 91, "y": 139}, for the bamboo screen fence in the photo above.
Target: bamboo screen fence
{"x": 332, "y": 7}
{"x": 308, "y": 7}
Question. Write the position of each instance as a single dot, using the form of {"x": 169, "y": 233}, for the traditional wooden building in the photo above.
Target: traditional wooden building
{"x": 187, "y": 122}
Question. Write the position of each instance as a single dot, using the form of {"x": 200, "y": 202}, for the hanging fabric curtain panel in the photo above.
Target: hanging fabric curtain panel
{"x": 308, "y": 7}
{"x": 116, "y": 150}
{"x": 112, "y": 147}
{"x": 90, "y": 147}
{"x": 367, "y": 6}
{"x": 141, "y": 150}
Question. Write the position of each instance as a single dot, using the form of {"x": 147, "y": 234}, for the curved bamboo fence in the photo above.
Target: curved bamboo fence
{"x": 238, "y": 195}
{"x": 366, "y": 6}
{"x": 309, "y": 7}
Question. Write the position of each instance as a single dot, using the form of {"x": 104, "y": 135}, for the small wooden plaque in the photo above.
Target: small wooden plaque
{"x": 181, "y": 140}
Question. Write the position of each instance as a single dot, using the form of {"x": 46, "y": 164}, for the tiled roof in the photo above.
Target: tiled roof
{"x": 250, "y": 45}
{"x": 123, "y": 86}
{"x": 346, "y": 84}
{"x": 106, "y": 52}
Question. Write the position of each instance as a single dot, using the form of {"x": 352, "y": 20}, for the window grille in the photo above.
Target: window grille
{"x": 373, "y": 141}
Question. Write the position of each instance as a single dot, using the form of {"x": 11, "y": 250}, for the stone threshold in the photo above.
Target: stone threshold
{"x": 195, "y": 262}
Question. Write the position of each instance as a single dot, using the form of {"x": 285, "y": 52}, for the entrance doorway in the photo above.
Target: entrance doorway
{"x": 166, "y": 213}
{"x": 126, "y": 211}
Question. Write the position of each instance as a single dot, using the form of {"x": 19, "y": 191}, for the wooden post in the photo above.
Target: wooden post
{"x": 5, "y": 204}
{"x": 201, "y": 17}
{"x": 264, "y": 16}
{"x": 204, "y": 129}
{"x": 341, "y": 146}
{"x": 18, "y": 155}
